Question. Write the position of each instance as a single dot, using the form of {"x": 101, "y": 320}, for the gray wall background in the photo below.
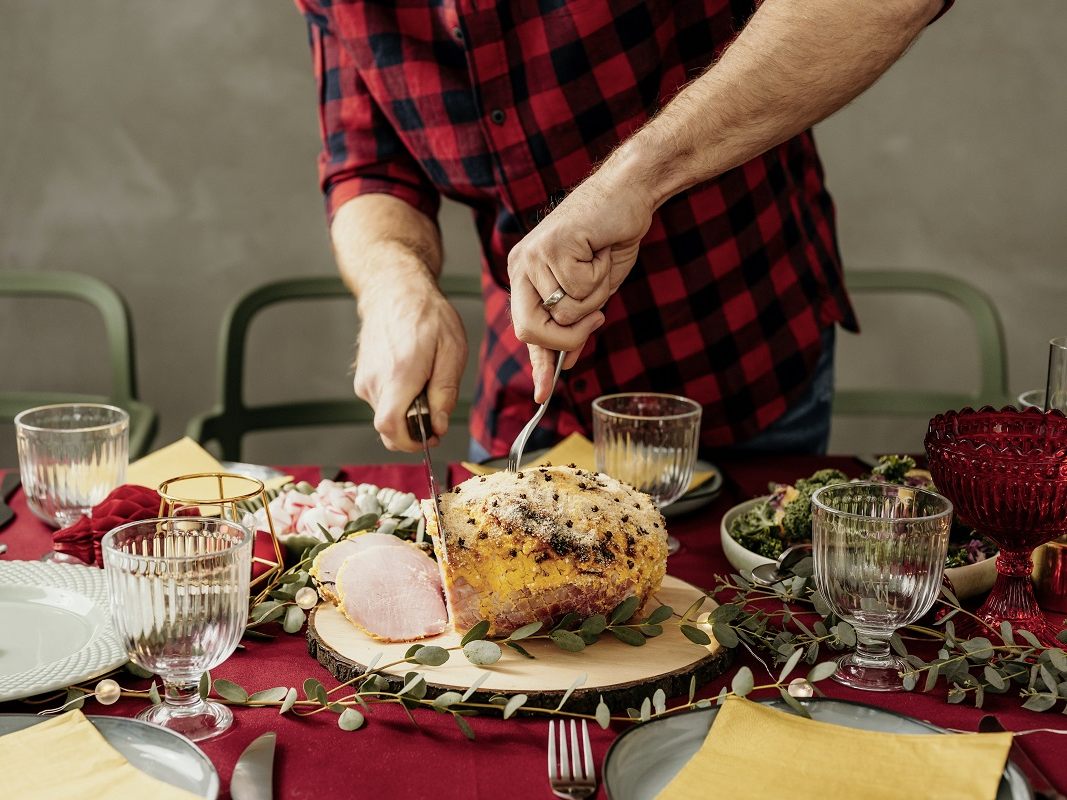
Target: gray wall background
{"x": 169, "y": 149}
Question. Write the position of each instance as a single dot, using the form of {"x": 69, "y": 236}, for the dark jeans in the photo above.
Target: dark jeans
{"x": 803, "y": 429}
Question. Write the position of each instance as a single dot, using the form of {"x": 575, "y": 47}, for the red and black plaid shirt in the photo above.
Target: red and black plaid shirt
{"x": 505, "y": 106}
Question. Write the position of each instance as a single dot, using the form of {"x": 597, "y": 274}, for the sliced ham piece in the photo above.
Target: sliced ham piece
{"x": 392, "y": 593}
{"x": 324, "y": 568}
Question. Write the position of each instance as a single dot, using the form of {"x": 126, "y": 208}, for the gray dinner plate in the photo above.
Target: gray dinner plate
{"x": 690, "y": 501}
{"x": 155, "y": 751}
{"x": 644, "y": 759}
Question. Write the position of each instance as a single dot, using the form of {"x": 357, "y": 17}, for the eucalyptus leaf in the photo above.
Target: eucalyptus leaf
{"x": 594, "y": 625}
{"x": 659, "y": 701}
{"x": 1006, "y": 634}
{"x": 931, "y": 677}
{"x": 720, "y": 698}
{"x": 628, "y": 636}
{"x": 482, "y": 652}
{"x": 571, "y": 642}
{"x": 464, "y": 726}
{"x": 415, "y": 686}
{"x": 411, "y": 651}
{"x": 724, "y": 635}
{"x": 138, "y": 670}
{"x": 1058, "y": 658}
{"x": 624, "y": 610}
{"x": 978, "y": 649}
{"x": 1062, "y": 636}
{"x": 567, "y": 694}
{"x": 433, "y": 656}
{"x": 692, "y": 687}
{"x": 898, "y": 646}
{"x": 793, "y": 703}
{"x": 289, "y": 701}
{"x": 326, "y": 534}
{"x": 76, "y": 697}
{"x": 1040, "y": 702}
{"x": 447, "y": 699}
{"x": 1028, "y": 637}
{"x": 790, "y": 664}
{"x": 474, "y": 686}
{"x": 524, "y": 632}
{"x": 294, "y": 619}
{"x": 1048, "y": 678}
{"x": 909, "y": 681}
{"x": 229, "y": 690}
{"x": 743, "y": 682}
{"x": 273, "y": 695}
{"x": 204, "y": 687}
{"x": 267, "y": 612}
{"x": 845, "y": 633}
{"x": 568, "y": 621}
{"x": 694, "y": 608}
{"x": 660, "y": 615}
{"x": 514, "y": 704}
{"x": 365, "y": 522}
{"x": 350, "y": 720}
{"x": 646, "y": 710}
{"x": 651, "y": 631}
{"x": 518, "y": 648}
{"x": 603, "y": 714}
{"x": 312, "y": 687}
{"x": 695, "y": 635}
{"x": 479, "y": 631}
{"x": 153, "y": 694}
{"x": 956, "y": 695}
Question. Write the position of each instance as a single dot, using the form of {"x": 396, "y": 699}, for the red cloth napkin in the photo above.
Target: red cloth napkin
{"x": 127, "y": 503}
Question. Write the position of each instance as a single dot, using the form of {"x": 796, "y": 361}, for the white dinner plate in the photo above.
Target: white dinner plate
{"x": 257, "y": 471}
{"x": 646, "y": 757}
{"x": 699, "y": 497}
{"x": 56, "y": 626}
{"x": 156, "y": 751}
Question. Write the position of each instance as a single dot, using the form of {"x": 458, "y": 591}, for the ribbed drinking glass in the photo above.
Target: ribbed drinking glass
{"x": 70, "y": 457}
{"x": 179, "y": 598}
{"x": 649, "y": 441}
{"x": 879, "y": 554}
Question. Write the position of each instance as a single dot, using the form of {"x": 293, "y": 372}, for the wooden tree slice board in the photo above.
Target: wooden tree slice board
{"x": 623, "y": 674}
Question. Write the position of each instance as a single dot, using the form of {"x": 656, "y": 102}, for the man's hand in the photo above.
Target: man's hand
{"x": 410, "y": 338}
{"x": 585, "y": 246}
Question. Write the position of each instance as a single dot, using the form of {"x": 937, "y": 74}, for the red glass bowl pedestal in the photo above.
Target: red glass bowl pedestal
{"x": 1006, "y": 474}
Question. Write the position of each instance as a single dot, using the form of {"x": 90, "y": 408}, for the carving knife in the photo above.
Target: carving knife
{"x": 8, "y": 486}
{"x": 253, "y": 776}
{"x": 421, "y": 429}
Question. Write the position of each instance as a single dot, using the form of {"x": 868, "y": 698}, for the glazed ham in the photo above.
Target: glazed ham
{"x": 391, "y": 590}
{"x": 544, "y": 542}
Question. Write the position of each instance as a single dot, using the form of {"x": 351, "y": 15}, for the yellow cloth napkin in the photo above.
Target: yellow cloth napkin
{"x": 183, "y": 457}
{"x": 754, "y": 752}
{"x": 66, "y": 758}
{"x": 578, "y": 450}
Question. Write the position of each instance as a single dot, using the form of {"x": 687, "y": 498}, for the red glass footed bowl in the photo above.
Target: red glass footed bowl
{"x": 1005, "y": 472}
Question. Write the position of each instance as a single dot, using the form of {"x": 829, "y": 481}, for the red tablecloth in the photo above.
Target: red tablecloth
{"x": 390, "y": 758}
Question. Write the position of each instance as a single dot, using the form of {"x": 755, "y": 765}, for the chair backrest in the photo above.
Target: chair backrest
{"x": 232, "y": 418}
{"x": 118, "y": 330}
{"x": 989, "y": 338}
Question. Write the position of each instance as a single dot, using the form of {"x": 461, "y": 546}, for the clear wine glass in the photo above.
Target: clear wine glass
{"x": 1056, "y": 386}
{"x": 879, "y": 553}
{"x": 179, "y": 598}
{"x": 649, "y": 441}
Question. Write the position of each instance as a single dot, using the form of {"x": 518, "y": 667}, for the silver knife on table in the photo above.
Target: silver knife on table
{"x": 253, "y": 776}
{"x": 421, "y": 429}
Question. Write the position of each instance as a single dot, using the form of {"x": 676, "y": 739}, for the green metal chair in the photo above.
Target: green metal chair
{"x": 989, "y": 336}
{"x": 119, "y": 331}
{"x": 231, "y": 418}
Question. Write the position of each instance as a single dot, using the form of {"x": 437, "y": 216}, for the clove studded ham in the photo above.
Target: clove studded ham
{"x": 546, "y": 541}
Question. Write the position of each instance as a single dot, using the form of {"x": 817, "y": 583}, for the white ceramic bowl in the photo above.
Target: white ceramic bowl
{"x": 740, "y": 558}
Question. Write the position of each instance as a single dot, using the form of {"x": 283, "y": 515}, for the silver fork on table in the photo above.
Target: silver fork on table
{"x": 515, "y": 456}
{"x": 571, "y": 773}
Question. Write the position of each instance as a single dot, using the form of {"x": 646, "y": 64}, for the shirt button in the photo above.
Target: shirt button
{"x": 457, "y": 33}
{"x": 497, "y": 116}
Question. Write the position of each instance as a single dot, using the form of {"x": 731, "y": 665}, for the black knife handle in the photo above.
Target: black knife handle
{"x": 9, "y": 484}
{"x": 420, "y": 407}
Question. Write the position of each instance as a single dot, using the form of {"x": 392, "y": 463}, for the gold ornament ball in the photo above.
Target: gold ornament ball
{"x": 307, "y": 598}
{"x": 107, "y": 692}
{"x": 799, "y": 687}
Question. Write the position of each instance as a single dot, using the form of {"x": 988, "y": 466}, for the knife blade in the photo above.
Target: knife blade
{"x": 1043, "y": 789}
{"x": 8, "y": 486}
{"x": 421, "y": 429}
{"x": 253, "y": 775}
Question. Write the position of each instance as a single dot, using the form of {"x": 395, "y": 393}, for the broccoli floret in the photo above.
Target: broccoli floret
{"x": 796, "y": 523}
{"x": 894, "y": 469}
{"x": 757, "y": 531}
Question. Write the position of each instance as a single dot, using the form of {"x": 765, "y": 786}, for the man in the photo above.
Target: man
{"x": 698, "y": 258}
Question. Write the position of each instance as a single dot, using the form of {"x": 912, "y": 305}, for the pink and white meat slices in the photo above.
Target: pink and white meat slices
{"x": 387, "y": 587}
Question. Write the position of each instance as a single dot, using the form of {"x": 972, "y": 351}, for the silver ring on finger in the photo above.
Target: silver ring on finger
{"x": 553, "y": 298}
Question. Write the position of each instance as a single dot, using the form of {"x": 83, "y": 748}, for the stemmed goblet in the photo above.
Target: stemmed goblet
{"x": 179, "y": 598}
{"x": 649, "y": 441}
{"x": 879, "y": 553}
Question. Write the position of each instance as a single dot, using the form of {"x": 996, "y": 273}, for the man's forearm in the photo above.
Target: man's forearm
{"x": 382, "y": 244}
{"x": 794, "y": 64}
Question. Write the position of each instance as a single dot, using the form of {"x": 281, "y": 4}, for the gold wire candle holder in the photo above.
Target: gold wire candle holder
{"x": 221, "y": 494}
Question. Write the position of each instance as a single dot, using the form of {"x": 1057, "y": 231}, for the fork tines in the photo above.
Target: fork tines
{"x": 570, "y": 768}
